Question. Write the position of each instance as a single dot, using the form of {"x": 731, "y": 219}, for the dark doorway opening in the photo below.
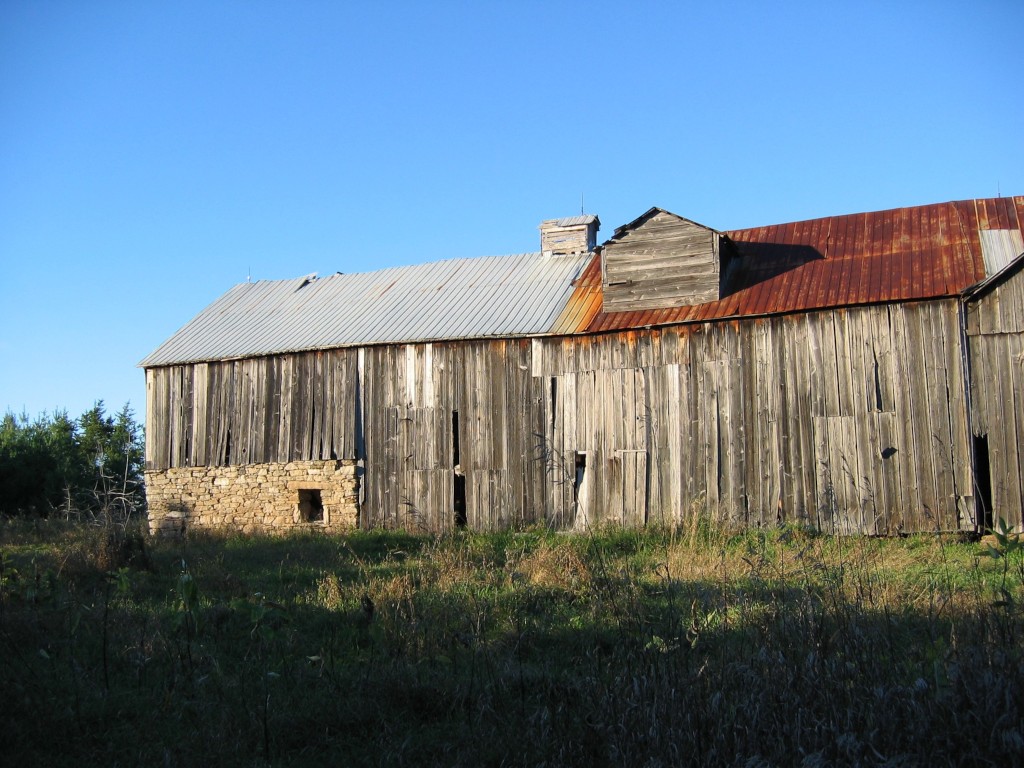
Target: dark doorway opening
{"x": 460, "y": 501}
{"x": 459, "y": 488}
{"x": 579, "y": 477}
{"x": 311, "y": 506}
{"x": 983, "y": 482}
{"x": 456, "y": 448}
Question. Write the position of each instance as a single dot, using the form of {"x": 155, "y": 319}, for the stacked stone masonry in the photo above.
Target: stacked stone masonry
{"x": 267, "y": 498}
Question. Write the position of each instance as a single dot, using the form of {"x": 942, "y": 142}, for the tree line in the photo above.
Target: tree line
{"x": 85, "y": 468}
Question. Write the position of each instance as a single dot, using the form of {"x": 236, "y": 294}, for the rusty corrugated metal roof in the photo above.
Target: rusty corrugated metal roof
{"x": 901, "y": 254}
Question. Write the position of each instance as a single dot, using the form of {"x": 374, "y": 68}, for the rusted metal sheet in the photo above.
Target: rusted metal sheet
{"x": 902, "y": 254}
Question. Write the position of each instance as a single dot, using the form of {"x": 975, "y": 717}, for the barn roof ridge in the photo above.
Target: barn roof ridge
{"x": 899, "y": 254}
{"x": 649, "y": 213}
{"x": 970, "y": 201}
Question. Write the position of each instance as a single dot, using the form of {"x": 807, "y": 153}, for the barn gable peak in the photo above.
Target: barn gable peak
{"x": 660, "y": 260}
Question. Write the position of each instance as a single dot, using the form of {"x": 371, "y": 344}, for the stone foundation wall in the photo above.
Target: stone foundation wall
{"x": 254, "y": 498}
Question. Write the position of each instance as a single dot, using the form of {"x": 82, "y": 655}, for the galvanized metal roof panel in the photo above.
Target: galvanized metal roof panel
{"x": 572, "y": 221}
{"x": 457, "y": 298}
{"x": 999, "y": 247}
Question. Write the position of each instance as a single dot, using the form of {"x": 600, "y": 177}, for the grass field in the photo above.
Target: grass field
{"x": 525, "y": 648}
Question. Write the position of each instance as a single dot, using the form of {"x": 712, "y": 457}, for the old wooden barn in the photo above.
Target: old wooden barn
{"x": 857, "y": 373}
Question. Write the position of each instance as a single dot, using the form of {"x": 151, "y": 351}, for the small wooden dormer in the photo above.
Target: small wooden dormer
{"x": 660, "y": 260}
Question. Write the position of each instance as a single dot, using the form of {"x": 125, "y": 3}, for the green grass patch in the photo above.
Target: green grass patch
{"x": 657, "y": 647}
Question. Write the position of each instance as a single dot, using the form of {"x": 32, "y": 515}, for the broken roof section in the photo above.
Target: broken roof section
{"x": 896, "y": 255}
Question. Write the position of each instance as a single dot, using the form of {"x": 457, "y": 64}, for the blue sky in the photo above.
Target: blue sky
{"x": 154, "y": 154}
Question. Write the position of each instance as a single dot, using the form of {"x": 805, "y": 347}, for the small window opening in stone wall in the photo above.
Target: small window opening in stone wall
{"x": 311, "y": 506}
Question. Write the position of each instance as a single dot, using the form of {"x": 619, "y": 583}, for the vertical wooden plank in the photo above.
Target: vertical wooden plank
{"x": 823, "y": 498}
{"x": 963, "y": 472}
{"x": 500, "y": 391}
{"x": 257, "y": 409}
{"x": 236, "y": 454}
{"x": 268, "y": 417}
{"x": 428, "y": 375}
{"x": 300, "y": 417}
{"x": 732, "y": 439}
{"x": 284, "y": 446}
{"x": 225, "y": 411}
{"x": 903, "y": 387}
{"x": 273, "y": 405}
{"x": 372, "y": 512}
{"x": 632, "y": 495}
{"x": 883, "y": 364}
{"x": 711, "y": 415}
{"x": 793, "y": 459}
{"x": 904, "y": 468}
{"x": 864, "y": 448}
{"x": 655, "y": 440}
{"x": 570, "y": 444}
{"x": 758, "y": 438}
{"x": 174, "y": 417}
{"x": 550, "y": 446}
{"x": 159, "y": 442}
{"x": 889, "y": 475}
{"x": 676, "y": 421}
{"x": 329, "y": 404}
{"x": 613, "y": 480}
{"x": 923, "y": 446}
{"x": 343, "y": 407}
{"x": 214, "y": 414}
{"x": 693, "y": 406}
{"x": 538, "y": 497}
{"x": 155, "y": 423}
{"x": 857, "y": 518}
{"x": 1014, "y": 428}
{"x": 826, "y": 502}
{"x": 828, "y": 365}
{"x": 1004, "y": 448}
{"x": 939, "y": 417}
{"x": 200, "y": 378}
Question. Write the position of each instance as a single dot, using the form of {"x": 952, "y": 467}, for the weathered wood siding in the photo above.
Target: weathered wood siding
{"x": 260, "y": 410}
{"x": 417, "y": 396}
{"x": 665, "y": 262}
{"x": 848, "y": 420}
{"x": 995, "y": 330}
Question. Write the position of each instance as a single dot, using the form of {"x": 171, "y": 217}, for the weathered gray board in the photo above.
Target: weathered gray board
{"x": 847, "y": 420}
{"x": 995, "y": 331}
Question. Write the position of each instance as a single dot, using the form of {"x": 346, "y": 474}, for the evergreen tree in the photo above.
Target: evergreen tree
{"x": 91, "y": 465}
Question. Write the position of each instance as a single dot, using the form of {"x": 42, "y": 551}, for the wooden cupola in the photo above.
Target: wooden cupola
{"x": 660, "y": 260}
{"x": 569, "y": 236}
